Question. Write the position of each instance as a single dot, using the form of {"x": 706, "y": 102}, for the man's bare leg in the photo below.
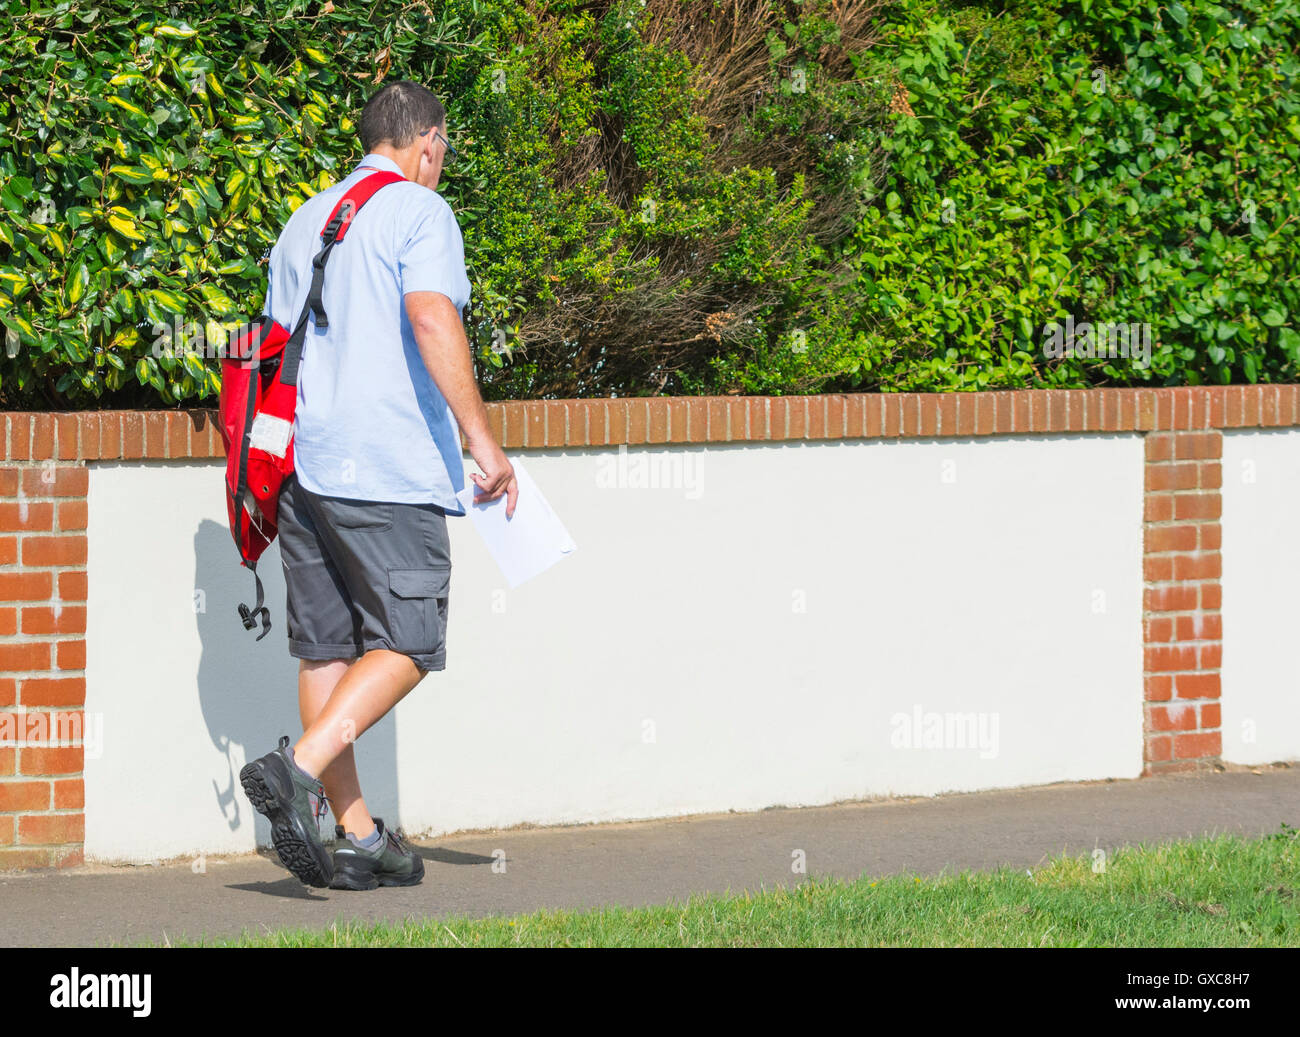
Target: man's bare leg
{"x": 316, "y": 682}
{"x": 338, "y": 701}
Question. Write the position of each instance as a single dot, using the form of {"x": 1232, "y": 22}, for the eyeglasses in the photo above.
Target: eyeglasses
{"x": 440, "y": 136}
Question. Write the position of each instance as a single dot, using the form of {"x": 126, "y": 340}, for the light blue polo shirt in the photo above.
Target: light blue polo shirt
{"x": 370, "y": 422}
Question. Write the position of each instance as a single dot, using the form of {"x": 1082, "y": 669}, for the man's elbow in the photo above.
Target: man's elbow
{"x": 430, "y": 318}
{"x": 425, "y": 329}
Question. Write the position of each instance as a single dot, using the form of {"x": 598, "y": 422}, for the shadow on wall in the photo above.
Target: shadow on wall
{"x": 248, "y": 689}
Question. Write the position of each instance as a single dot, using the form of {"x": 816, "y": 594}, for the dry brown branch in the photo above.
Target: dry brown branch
{"x": 597, "y": 339}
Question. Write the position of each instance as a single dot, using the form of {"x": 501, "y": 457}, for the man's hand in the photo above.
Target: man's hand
{"x": 440, "y": 337}
{"x": 498, "y": 473}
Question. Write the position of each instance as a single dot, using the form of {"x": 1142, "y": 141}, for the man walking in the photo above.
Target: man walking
{"x": 384, "y": 391}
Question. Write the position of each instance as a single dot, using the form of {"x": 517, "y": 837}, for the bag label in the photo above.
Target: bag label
{"x": 271, "y": 434}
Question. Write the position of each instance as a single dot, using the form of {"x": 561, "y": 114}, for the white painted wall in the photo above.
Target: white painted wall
{"x": 1261, "y": 603}
{"x": 749, "y": 635}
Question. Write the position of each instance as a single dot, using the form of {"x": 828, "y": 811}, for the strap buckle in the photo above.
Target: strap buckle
{"x": 250, "y": 616}
{"x": 338, "y": 225}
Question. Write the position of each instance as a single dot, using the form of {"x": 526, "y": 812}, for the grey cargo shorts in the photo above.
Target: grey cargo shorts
{"x": 362, "y": 575}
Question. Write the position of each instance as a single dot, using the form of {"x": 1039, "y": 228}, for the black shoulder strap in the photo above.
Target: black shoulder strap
{"x": 335, "y": 230}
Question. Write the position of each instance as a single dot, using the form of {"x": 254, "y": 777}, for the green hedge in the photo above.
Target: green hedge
{"x": 1121, "y": 162}
{"x": 672, "y": 195}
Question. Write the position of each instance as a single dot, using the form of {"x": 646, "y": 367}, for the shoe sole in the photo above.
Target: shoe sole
{"x": 305, "y": 857}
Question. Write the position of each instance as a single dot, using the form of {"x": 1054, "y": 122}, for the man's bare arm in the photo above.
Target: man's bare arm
{"x": 440, "y": 338}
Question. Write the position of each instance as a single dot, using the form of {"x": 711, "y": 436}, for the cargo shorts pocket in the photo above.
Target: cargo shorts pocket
{"x": 417, "y": 609}
{"x": 361, "y": 516}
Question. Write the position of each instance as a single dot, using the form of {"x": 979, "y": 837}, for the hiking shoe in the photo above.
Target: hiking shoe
{"x": 389, "y": 863}
{"x": 293, "y": 803}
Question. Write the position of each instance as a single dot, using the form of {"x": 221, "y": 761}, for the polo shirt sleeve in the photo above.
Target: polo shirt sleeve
{"x": 432, "y": 256}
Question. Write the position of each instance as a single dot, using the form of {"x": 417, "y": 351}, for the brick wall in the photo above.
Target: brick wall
{"x": 43, "y": 518}
{"x": 1183, "y": 625}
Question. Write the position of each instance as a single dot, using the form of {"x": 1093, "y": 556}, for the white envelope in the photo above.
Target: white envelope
{"x": 530, "y": 541}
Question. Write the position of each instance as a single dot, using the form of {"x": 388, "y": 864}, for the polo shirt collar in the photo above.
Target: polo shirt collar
{"x": 382, "y": 162}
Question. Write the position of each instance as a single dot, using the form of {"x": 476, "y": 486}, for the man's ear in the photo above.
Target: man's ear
{"x": 426, "y": 157}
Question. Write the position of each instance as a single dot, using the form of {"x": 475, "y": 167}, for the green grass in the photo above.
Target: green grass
{"x": 1219, "y": 892}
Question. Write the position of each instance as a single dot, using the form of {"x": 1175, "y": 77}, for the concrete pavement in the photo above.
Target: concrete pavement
{"x": 649, "y": 862}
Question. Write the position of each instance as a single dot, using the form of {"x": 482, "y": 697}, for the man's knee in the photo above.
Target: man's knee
{"x": 399, "y": 663}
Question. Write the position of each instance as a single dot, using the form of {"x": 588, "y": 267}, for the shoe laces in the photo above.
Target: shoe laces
{"x": 396, "y": 841}
{"x": 321, "y": 801}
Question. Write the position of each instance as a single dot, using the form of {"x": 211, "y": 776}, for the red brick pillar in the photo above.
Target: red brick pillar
{"x": 42, "y": 641}
{"x": 44, "y": 731}
{"x": 1182, "y": 624}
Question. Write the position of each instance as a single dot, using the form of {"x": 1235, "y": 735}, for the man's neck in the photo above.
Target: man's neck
{"x": 408, "y": 163}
